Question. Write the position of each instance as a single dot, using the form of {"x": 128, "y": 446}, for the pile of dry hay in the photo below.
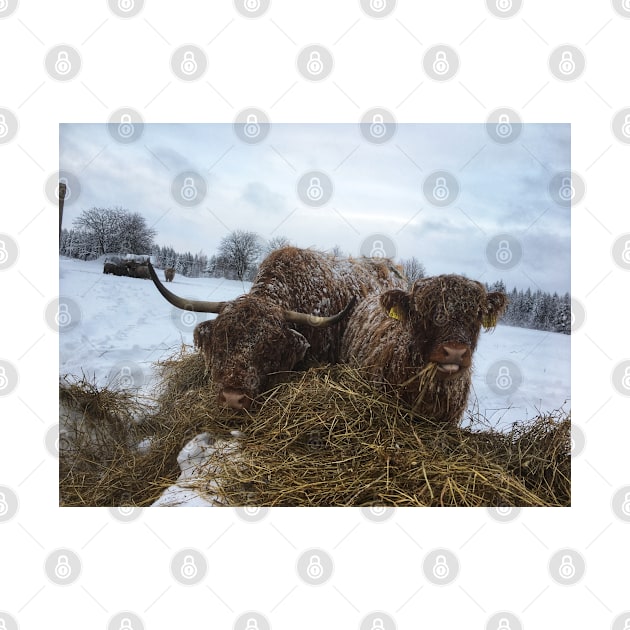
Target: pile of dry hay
{"x": 325, "y": 437}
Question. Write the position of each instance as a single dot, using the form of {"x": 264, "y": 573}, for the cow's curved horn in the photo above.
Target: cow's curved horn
{"x": 316, "y": 320}
{"x": 198, "y": 306}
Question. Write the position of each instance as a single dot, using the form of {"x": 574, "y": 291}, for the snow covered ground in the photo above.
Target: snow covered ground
{"x": 120, "y": 326}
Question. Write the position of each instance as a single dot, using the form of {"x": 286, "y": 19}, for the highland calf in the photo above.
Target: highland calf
{"x": 293, "y": 312}
{"x": 420, "y": 343}
{"x": 169, "y": 274}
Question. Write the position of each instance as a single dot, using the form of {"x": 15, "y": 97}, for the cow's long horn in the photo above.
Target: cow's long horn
{"x": 316, "y": 320}
{"x": 198, "y": 306}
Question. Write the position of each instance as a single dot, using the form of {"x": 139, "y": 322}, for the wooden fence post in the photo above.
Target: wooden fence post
{"x": 62, "y": 198}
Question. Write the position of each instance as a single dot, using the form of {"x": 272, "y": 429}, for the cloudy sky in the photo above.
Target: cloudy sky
{"x": 499, "y": 195}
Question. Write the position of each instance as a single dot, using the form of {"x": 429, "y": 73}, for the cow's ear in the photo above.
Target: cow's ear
{"x": 395, "y": 303}
{"x": 300, "y": 344}
{"x": 496, "y": 303}
{"x": 202, "y": 335}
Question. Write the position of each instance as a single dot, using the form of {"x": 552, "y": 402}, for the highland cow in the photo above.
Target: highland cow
{"x": 109, "y": 267}
{"x": 293, "y": 313}
{"x": 115, "y": 268}
{"x": 420, "y": 343}
{"x": 169, "y": 274}
{"x": 138, "y": 270}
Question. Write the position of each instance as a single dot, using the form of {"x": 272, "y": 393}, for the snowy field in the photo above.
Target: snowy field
{"x": 117, "y": 327}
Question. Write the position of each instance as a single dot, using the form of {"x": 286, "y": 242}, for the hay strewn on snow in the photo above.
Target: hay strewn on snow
{"x": 325, "y": 437}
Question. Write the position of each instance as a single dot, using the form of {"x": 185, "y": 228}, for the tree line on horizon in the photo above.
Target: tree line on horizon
{"x": 116, "y": 231}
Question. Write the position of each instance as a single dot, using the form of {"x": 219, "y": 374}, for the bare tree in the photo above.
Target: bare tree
{"x": 276, "y": 242}
{"x": 239, "y": 251}
{"x": 337, "y": 252}
{"x": 413, "y": 269}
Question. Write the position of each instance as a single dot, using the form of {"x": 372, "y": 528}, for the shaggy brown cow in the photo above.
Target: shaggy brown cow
{"x": 420, "y": 343}
{"x": 293, "y": 311}
{"x": 109, "y": 267}
{"x": 116, "y": 268}
{"x": 138, "y": 270}
{"x": 169, "y": 274}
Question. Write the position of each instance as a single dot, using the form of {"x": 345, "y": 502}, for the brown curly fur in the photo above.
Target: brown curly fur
{"x": 169, "y": 274}
{"x": 395, "y": 335}
{"x": 249, "y": 344}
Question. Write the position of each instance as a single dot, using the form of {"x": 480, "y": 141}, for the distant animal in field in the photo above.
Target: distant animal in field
{"x": 169, "y": 274}
{"x": 294, "y": 313}
{"x": 116, "y": 267}
{"x": 420, "y": 343}
{"x": 109, "y": 267}
{"x": 138, "y": 269}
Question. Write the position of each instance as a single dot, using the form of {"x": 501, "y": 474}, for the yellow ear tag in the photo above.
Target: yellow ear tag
{"x": 393, "y": 313}
{"x": 489, "y": 321}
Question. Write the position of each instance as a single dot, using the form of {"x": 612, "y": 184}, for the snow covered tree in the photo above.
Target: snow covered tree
{"x": 240, "y": 250}
{"x": 115, "y": 230}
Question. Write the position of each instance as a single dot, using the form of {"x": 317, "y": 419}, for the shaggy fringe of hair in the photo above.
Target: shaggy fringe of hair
{"x": 326, "y": 437}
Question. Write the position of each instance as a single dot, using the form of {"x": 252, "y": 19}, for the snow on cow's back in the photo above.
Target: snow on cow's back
{"x": 306, "y": 280}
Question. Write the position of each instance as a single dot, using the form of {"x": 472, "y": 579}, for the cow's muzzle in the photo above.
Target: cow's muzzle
{"x": 234, "y": 399}
{"x": 451, "y": 357}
